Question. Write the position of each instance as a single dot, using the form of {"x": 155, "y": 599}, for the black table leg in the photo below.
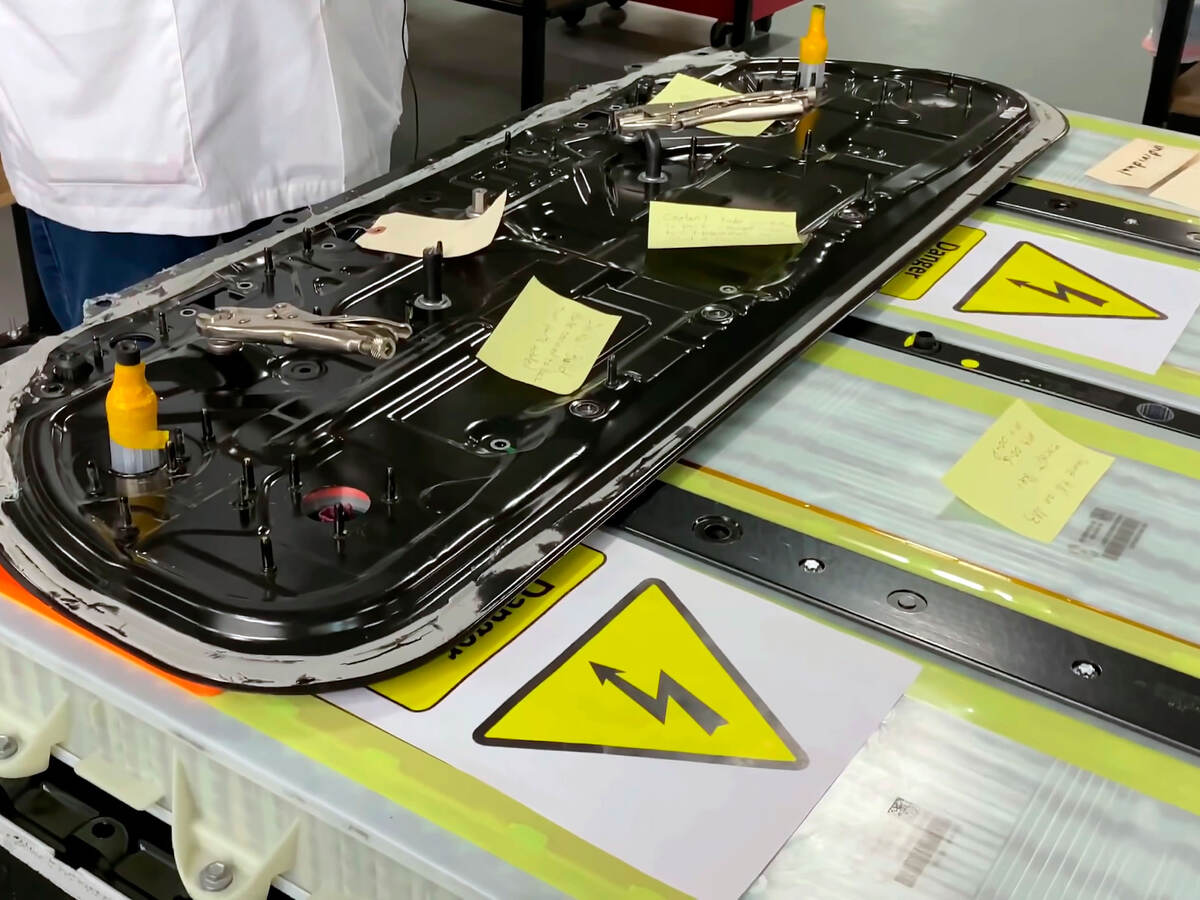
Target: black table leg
{"x": 743, "y": 26}
{"x": 533, "y": 53}
{"x": 1172, "y": 37}
{"x": 41, "y": 319}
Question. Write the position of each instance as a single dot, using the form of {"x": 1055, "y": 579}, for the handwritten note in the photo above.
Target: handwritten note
{"x": 1025, "y": 475}
{"x": 675, "y": 225}
{"x": 1183, "y": 189}
{"x": 686, "y": 89}
{"x": 547, "y": 340}
{"x": 410, "y": 235}
{"x": 1141, "y": 164}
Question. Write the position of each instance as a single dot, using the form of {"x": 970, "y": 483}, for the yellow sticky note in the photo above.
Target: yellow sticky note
{"x": 1025, "y": 475}
{"x": 1141, "y": 164}
{"x": 675, "y": 225}
{"x": 411, "y": 235}
{"x": 547, "y": 340}
{"x": 686, "y": 89}
{"x": 1183, "y": 189}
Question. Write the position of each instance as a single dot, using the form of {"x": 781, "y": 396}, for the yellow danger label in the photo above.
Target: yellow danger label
{"x": 645, "y": 680}
{"x": 1029, "y": 281}
{"x": 924, "y": 271}
{"x": 421, "y": 688}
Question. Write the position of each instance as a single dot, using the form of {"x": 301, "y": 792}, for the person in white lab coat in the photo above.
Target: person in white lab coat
{"x": 137, "y": 132}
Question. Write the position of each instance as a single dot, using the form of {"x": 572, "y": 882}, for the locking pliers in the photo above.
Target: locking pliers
{"x": 291, "y": 326}
{"x": 758, "y": 107}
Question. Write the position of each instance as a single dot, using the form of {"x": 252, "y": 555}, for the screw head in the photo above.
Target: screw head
{"x": 216, "y": 876}
{"x": 811, "y": 566}
{"x": 907, "y": 601}
{"x": 728, "y": 289}
{"x": 718, "y": 314}
{"x": 587, "y": 409}
{"x": 1085, "y": 668}
{"x": 9, "y": 746}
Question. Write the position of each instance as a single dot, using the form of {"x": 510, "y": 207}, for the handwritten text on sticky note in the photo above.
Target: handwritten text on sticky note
{"x": 675, "y": 225}
{"x": 1141, "y": 164}
{"x": 1025, "y": 475}
{"x": 547, "y": 340}
{"x": 411, "y": 235}
{"x": 686, "y": 89}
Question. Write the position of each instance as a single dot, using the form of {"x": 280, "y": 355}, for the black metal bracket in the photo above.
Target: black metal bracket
{"x": 932, "y": 347}
{"x": 1103, "y": 680}
{"x": 1094, "y": 215}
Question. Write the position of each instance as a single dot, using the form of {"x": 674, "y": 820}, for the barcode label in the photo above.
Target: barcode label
{"x": 1108, "y": 535}
{"x": 930, "y": 831}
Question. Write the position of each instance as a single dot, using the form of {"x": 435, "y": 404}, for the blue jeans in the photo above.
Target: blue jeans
{"x": 74, "y": 265}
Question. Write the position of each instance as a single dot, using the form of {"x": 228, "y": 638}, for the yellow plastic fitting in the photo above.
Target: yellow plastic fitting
{"x": 814, "y": 46}
{"x": 131, "y": 405}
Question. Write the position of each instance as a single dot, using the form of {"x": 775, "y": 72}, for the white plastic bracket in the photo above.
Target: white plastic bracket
{"x": 199, "y": 843}
{"x": 34, "y": 740}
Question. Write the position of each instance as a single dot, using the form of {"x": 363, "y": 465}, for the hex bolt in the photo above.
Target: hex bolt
{"x": 216, "y": 876}
{"x": 9, "y": 746}
{"x": 1086, "y": 669}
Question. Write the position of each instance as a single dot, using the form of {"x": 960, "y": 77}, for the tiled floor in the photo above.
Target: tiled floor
{"x": 1081, "y": 54}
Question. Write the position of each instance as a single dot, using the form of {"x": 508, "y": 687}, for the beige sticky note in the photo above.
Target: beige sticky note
{"x": 411, "y": 235}
{"x": 685, "y": 89}
{"x": 676, "y": 225}
{"x": 1183, "y": 189}
{"x": 1141, "y": 164}
{"x": 547, "y": 340}
{"x": 1025, "y": 475}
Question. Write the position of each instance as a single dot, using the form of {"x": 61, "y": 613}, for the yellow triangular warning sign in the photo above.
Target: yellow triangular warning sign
{"x": 1029, "y": 281}
{"x": 645, "y": 680}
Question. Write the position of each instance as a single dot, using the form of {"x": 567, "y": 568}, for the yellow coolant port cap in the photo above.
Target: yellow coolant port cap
{"x": 131, "y": 405}
{"x": 814, "y": 46}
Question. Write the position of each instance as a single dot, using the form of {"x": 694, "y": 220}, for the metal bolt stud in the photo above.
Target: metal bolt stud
{"x": 216, "y": 876}
{"x": 9, "y": 746}
{"x": 811, "y": 566}
{"x": 718, "y": 314}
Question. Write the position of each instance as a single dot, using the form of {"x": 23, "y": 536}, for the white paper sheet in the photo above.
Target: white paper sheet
{"x": 1099, "y": 280}
{"x": 706, "y": 828}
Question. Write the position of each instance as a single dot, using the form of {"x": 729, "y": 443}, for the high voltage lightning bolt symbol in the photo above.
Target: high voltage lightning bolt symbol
{"x": 668, "y": 688}
{"x": 1060, "y": 292}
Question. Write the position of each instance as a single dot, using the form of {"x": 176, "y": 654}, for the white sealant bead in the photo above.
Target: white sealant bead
{"x": 127, "y": 461}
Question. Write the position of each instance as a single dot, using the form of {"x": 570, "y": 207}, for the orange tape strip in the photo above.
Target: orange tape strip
{"x": 13, "y": 590}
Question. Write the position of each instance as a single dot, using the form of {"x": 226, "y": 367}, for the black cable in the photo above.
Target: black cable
{"x": 413, "y": 84}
